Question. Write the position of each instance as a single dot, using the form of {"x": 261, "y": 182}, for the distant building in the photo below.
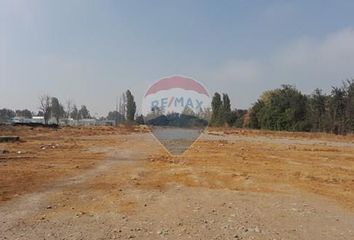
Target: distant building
{"x": 65, "y": 121}
{"x": 87, "y": 122}
{"x": 21, "y": 120}
{"x": 37, "y": 119}
{"x": 17, "y": 120}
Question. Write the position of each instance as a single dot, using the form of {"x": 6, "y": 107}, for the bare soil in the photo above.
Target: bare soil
{"x": 119, "y": 183}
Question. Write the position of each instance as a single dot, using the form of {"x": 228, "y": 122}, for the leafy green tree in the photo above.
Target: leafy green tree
{"x": 238, "y": 118}
{"x": 57, "y": 110}
{"x": 84, "y": 112}
{"x": 6, "y": 115}
{"x": 227, "y": 116}
{"x": 281, "y": 109}
{"x": 317, "y": 110}
{"x": 217, "y": 109}
{"x": 115, "y": 116}
{"x": 288, "y": 109}
{"x": 255, "y": 114}
{"x": 226, "y": 105}
{"x": 231, "y": 118}
{"x": 24, "y": 113}
{"x": 349, "y": 111}
{"x": 131, "y": 106}
{"x": 337, "y": 110}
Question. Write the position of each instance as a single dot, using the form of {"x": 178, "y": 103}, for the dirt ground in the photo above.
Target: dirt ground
{"x": 119, "y": 183}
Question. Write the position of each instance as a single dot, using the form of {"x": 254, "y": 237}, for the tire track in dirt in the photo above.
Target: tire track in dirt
{"x": 137, "y": 192}
{"x": 16, "y": 212}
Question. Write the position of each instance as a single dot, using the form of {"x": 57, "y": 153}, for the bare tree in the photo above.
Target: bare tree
{"x": 69, "y": 108}
{"x": 123, "y": 105}
{"x": 45, "y": 107}
{"x": 75, "y": 113}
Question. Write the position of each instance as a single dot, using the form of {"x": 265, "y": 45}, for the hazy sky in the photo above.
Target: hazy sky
{"x": 91, "y": 51}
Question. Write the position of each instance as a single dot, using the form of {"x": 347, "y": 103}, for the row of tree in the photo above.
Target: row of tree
{"x": 125, "y": 111}
{"x": 285, "y": 108}
{"x": 51, "y": 107}
{"x": 288, "y": 109}
{"x": 223, "y": 115}
{"x": 8, "y": 114}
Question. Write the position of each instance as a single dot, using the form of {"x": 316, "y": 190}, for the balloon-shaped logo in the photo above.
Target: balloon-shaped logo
{"x": 177, "y": 109}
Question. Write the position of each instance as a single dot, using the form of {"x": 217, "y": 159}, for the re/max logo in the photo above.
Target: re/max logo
{"x": 176, "y": 102}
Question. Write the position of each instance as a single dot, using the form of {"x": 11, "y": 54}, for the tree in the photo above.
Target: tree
{"x": 45, "y": 107}
{"x": 349, "y": 111}
{"x": 216, "y": 105}
{"x": 226, "y": 105}
{"x": 115, "y": 116}
{"x": 140, "y": 119}
{"x": 241, "y": 115}
{"x": 337, "y": 110}
{"x": 288, "y": 109}
{"x": 221, "y": 110}
{"x": 317, "y": 110}
{"x": 69, "y": 108}
{"x": 6, "y": 115}
{"x": 227, "y": 116}
{"x": 236, "y": 118}
{"x": 24, "y": 113}
{"x": 231, "y": 118}
{"x": 57, "y": 109}
{"x": 131, "y": 106}
{"x": 75, "y": 113}
{"x": 123, "y": 105}
{"x": 83, "y": 112}
{"x": 281, "y": 109}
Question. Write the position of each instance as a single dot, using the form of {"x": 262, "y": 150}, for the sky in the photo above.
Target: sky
{"x": 92, "y": 51}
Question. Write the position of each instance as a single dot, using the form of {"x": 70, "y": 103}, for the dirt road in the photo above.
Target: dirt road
{"x": 241, "y": 185}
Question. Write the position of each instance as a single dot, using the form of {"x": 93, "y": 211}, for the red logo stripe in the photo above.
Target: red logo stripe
{"x": 177, "y": 82}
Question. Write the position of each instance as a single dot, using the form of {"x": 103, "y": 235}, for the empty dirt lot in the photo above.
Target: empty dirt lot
{"x": 119, "y": 183}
